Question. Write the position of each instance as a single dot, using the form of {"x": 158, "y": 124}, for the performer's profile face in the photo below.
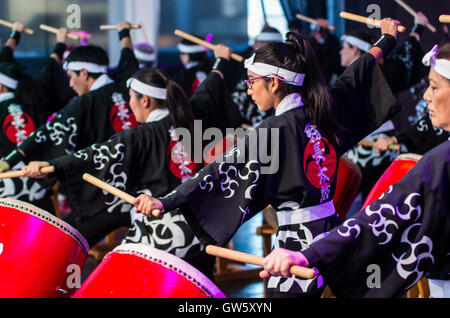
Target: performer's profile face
{"x": 438, "y": 97}
{"x": 137, "y": 106}
{"x": 348, "y": 54}
{"x": 78, "y": 82}
{"x": 259, "y": 92}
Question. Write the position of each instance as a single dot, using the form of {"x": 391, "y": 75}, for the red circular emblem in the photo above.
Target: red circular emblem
{"x": 18, "y": 130}
{"x": 180, "y": 164}
{"x": 320, "y": 163}
{"x": 122, "y": 118}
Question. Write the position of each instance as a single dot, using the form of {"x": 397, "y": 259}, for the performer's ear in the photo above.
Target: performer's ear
{"x": 84, "y": 74}
{"x": 274, "y": 84}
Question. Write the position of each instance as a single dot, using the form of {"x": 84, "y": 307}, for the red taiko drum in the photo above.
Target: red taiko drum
{"x": 38, "y": 253}
{"x": 140, "y": 271}
{"x": 394, "y": 173}
{"x": 347, "y": 186}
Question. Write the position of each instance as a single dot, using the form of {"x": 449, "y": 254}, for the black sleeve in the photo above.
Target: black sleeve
{"x": 7, "y": 55}
{"x": 361, "y": 101}
{"x": 128, "y": 65}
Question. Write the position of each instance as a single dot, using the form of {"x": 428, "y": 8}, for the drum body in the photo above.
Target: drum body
{"x": 40, "y": 255}
{"x": 394, "y": 173}
{"x": 347, "y": 186}
{"x": 140, "y": 271}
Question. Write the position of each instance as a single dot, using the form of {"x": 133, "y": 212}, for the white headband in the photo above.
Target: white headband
{"x": 269, "y": 37}
{"x": 441, "y": 66}
{"x": 263, "y": 69}
{"x": 190, "y": 49}
{"x": 360, "y": 44}
{"x": 148, "y": 90}
{"x": 146, "y": 57}
{"x": 8, "y": 81}
{"x": 90, "y": 67}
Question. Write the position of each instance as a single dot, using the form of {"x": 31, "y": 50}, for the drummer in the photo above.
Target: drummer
{"x": 406, "y": 244}
{"x": 300, "y": 180}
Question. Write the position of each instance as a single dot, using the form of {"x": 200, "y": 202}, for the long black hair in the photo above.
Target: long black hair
{"x": 297, "y": 55}
{"x": 176, "y": 101}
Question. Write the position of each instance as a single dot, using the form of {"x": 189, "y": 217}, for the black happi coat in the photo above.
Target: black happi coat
{"x": 93, "y": 117}
{"x": 136, "y": 161}
{"x": 405, "y": 233}
{"x": 17, "y": 123}
{"x": 223, "y": 195}
{"x": 422, "y": 136}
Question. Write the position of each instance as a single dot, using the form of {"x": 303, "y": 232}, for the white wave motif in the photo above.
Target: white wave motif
{"x": 103, "y": 154}
{"x": 409, "y": 258}
{"x": 349, "y": 228}
{"x": 382, "y": 222}
{"x": 57, "y": 131}
{"x": 81, "y": 154}
{"x": 292, "y": 205}
{"x": 205, "y": 183}
{"x": 389, "y": 190}
{"x": 226, "y": 185}
{"x": 407, "y": 215}
{"x": 119, "y": 180}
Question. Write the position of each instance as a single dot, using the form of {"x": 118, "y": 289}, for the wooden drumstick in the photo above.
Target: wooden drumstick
{"x": 114, "y": 191}
{"x": 367, "y": 143}
{"x": 205, "y": 44}
{"x": 11, "y": 25}
{"x": 19, "y": 173}
{"x": 366, "y": 20}
{"x": 114, "y": 27}
{"x": 414, "y": 13}
{"x": 303, "y": 272}
{"x": 313, "y": 21}
{"x": 55, "y": 30}
{"x": 444, "y": 18}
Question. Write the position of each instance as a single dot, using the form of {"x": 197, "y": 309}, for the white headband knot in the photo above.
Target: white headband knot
{"x": 284, "y": 75}
{"x": 441, "y": 66}
{"x": 145, "y": 89}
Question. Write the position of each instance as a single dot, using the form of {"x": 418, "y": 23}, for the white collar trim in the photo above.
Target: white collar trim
{"x": 157, "y": 114}
{"x": 103, "y": 80}
{"x": 288, "y": 103}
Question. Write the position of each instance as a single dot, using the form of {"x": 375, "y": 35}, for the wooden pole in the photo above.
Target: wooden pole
{"x": 313, "y": 21}
{"x": 114, "y": 191}
{"x": 114, "y": 27}
{"x": 204, "y": 43}
{"x": 19, "y": 173}
{"x": 367, "y": 143}
{"x": 10, "y": 25}
{"x": 303, "y": 272}
{"x": 366, "y": 20}
{"x": 444, "y": 18}
{"x": 414, "y": 13}
{"x": 55, "y": 30}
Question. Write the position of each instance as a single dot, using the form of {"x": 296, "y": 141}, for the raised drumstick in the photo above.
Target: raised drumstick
{"x": 313, "y": 21}
{"x": 210, "y": 46}
{"x": 444, "y": 18}
{"x": 114, "y": 27}
{"x": 414, "y": 13}
{"x": 55, "y": 30}
{"x": 10, "y": 25}
{"x": 367, "y": 143}
{"x": 114, "y": 191}
{"x": 19, "y": 173}
{"x": 303, "y": 272}
{"x": 366, "y": 20}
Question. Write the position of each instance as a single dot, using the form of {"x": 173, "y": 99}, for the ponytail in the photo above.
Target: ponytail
{"x": 176, "y": 100}
{"x": 297, "y": 55}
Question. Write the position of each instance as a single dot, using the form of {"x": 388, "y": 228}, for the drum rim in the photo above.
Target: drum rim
{"x": 409, "y": 156}
{"x": 46, "y": 217}
{"x": 163, "y": 258}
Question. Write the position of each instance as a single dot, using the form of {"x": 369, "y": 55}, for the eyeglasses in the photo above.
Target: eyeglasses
{"x": 249, "y": 82}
